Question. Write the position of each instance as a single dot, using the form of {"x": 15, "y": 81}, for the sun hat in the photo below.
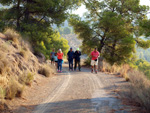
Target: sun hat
{"x": 60, "y": 50}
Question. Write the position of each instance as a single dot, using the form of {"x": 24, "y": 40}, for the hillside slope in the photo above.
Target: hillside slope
{"x": 73, "y": 41}
{"x": 19, "y": 67}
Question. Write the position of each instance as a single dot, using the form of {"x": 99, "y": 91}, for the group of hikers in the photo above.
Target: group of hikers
{"x": 73, "y": 57}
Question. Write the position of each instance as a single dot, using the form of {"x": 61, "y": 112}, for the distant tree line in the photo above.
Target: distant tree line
{"x": 65, "y": 30}
{"x": 140, "y": 64}
{"x": 143, "y": 54}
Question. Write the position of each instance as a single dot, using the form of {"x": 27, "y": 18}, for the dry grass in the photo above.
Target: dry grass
{"x": 140, "y": 88}
{"x": 12, "y": 35}
{"x": 4, "y": 47}
{"x": 46, "y": 70}
{"x": 121, "y": 70}
{"x": 14, "y": 89}
{"x": 3, "y": 81}
{"x": 127, "y": 78}
{"x": 2, "y": 55}
{"x": 24, "y": 53}
{"x": 2, "y": 94}
{"x": 26, "y": 46}
{"x": 26, "y": 78}
{"x": 4, "y": 64}
{"x": 139, "y": 85}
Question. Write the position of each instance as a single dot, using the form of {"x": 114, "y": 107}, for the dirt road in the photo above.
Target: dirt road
{"x": 83, "y": 92}
{"x": 75, "y": 92}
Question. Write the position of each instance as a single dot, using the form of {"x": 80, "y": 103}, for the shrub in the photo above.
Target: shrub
{"x": 14, "y": 89}
{"x": 29, "y": 78}
{"x": 3, "y": 81}
{"x": 87, "y": 61}
{"x": 2, "y": 55}
{"x": 24, "y": 53}
{"x": 2, "y": 94}
{"x": 45, "y": 70}
{"x": 107, "y": 67}
{"x": 140, "y": 88}
{"x": 26, "y": 78}
{"x": 12, "y": 35}
{"x": 122, "y": 70}
{"x": 4, "y": 47}
{"x": 127, "y": 78}
{"x": 3, "y": 63}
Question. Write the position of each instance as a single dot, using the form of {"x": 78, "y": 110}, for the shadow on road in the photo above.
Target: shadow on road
{"x": 75, "y": 106}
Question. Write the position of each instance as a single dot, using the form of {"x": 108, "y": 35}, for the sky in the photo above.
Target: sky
{"x": 80, "y": 11}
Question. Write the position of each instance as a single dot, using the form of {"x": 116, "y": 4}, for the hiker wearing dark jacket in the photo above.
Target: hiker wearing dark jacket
{"x": 70, "y": 56}
{"x": 77, "y": 55}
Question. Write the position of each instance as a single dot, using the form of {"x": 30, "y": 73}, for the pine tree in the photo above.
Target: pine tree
{"x": 34, "y": 19}
{"x": 112, "y": 26}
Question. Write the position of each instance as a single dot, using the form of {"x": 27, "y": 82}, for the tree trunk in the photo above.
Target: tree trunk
{"x": 100, "y": 63}
{"x": 27, "y": 12}
{"x": 100, "y": 59}
{"x": 18, "y": 15}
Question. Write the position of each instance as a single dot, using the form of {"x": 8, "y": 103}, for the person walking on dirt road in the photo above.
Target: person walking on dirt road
{"x": 52, "y": 56}
{"x": 70, "y": 56}
{"x": 56, "y": 60}
{"x": 77, "y": 55}
{"x": 94, "y": 61}
{"x": 60, "y": 60}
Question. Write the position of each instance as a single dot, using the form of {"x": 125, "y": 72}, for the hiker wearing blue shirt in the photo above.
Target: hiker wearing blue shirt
{"x": 56, "y": 60}
{"x": 70, "y": 56}
{"x": 52, "y": 56}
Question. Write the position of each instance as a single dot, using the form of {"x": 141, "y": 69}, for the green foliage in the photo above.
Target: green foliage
{"x": 140, "y": 64}
{"x": 143, "y": 66}
{"x": 143, "y": 54}
{"x": 111, "y": 26}
{"x": 34, "y": 18}
{"x": 145, "y": 28}
{"x": 143, "y": 43}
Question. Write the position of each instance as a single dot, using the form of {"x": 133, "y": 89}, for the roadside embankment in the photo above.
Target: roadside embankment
{"x": 19, "y": 67}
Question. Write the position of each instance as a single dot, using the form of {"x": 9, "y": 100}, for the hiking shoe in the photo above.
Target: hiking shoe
{"x": 96, "y": 72}
{"x": 60, "y": 71}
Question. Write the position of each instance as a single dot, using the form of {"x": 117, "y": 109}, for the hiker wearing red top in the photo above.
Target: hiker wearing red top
{"x": 94, "y": 60}
{"x": 60, "y": 60}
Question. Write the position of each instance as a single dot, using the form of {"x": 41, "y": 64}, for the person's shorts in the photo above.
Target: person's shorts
{"x": 56, "y": 61}
{"x": 52, "y": 59}
{"x": 93, "y": 62}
